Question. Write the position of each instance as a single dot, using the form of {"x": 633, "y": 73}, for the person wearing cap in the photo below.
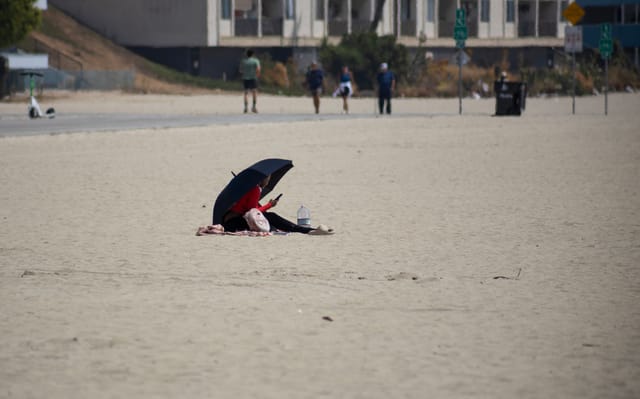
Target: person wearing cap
{"x": 386, "y": 86}
{"x": 315, "y": 78}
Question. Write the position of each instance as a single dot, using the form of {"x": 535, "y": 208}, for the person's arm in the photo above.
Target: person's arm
{"x": 265, "y": 207}
{"x": 258, "y": 69}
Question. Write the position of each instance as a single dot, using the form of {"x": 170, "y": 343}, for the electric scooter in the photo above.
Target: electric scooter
{"x": 34, "y": 107}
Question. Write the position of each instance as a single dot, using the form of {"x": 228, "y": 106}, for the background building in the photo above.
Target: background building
{"x": 207, "y": 37}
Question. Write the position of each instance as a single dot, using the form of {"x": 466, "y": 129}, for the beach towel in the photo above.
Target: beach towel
{"x": 217, "y": 229}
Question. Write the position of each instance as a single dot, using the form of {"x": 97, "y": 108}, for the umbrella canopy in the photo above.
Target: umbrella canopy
{"x": 246, "y": 180}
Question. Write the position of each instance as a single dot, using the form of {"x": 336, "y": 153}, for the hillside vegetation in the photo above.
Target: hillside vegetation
{"x": 72, "y": 44}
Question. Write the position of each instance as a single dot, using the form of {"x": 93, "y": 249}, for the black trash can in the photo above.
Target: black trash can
{"x": 511, "y": 97}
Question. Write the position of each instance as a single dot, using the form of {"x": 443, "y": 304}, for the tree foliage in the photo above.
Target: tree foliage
{"x": 363, "y": 52}
{"x": 17, "y": 19}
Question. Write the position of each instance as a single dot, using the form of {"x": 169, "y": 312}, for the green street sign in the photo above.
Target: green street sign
{"x": 605, "y": 31}
{"x": 461, "y": 18}
{"x": 460, "y": 33}
{"x": 606, "y": 41}
{"x": 460, "y": 29}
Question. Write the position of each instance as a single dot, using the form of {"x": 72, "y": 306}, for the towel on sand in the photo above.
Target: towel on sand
{"x": 217, "y": 229}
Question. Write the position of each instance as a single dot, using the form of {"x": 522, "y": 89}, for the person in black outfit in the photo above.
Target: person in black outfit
{"x": 386, "y": 86}
{"x": 315, "y": 78}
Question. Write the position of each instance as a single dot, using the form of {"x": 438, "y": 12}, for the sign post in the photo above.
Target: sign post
{"x": 573, "y": 41}
{"x": 606, "y": 48}
{"x": 573, "y": 45}
{"x": 460, "y": 35}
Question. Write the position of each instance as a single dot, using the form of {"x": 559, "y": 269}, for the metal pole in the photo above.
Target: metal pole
{"x": 460, "y": 81}
{"x": 573, "y": 82}
{"x": 606, "y": 86}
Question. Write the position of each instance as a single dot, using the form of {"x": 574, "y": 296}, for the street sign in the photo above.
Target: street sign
{"x": 573, "y": 13}
{"x": 460, "y": 33}
{"x": 606, "y": 42}
{"x": 605, "y": 31}
{"x": 460, "y": 29}
{"x": 606, "y": 48}
{"x": 573, "y": 39}
{"x": 460, "y": 58}
{"x": 461, "y": 19}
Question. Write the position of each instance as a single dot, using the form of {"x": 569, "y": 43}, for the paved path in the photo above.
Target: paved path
{"x": 18, "y": 125}
{"x": 13, "y": 125}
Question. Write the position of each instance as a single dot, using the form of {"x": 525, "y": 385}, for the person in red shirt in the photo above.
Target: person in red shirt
{"x": 234, "y": 220}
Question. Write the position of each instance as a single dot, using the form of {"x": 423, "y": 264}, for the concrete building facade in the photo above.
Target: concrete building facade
{"x": 193, "y": 35}
{"x": 266, "y": 23}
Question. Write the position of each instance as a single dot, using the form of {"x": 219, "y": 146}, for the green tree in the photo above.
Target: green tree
{"x": 17, "y": 19}
{"x": 363, "y": 52}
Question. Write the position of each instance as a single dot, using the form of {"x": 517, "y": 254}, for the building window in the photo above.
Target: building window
{"x": 431, "y": 10}
{"x": 320, "y": 9}
{"x": 484, "y": 10}
{"x": 563, "y": 5}
{"x": 511, "y": 11}
{"x": 226, "y": 9}
{"x": 630, "y": 12}
{"x": 406, "y": 10}
{"x": 289, "y": 10}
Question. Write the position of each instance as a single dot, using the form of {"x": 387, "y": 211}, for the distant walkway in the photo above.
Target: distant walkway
{"x": 18, "y": 125}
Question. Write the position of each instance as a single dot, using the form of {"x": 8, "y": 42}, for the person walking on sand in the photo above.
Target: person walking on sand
{"x": 315, "y": 78}
{"x": 386, "y": 86}
{"x": 344, "y": 88}
{"x": 250, "y": 70}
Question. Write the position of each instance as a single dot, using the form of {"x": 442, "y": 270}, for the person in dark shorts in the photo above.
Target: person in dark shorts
{"x": 250, "y": 70}
{"x": 315, "y": 78}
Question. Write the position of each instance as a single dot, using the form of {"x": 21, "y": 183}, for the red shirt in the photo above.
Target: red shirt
{"x": 248, "y": 201}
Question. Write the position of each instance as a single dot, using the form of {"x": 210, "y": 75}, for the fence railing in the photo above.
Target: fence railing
{"x": 57, "y": 59}
{"x": 74, "y": 80}
{"x": 246, "y": 27}
{"x": 408, "y": 27}
{"x": 338, "y": 27}
{"x": 360, "y": 25}
{"x": 271, "y": 26}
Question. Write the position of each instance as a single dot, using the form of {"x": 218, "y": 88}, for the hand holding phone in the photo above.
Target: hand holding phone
{"x": 274, "y": 201}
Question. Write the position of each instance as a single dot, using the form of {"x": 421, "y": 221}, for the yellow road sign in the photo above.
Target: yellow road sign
{"x": 573, "y": 13}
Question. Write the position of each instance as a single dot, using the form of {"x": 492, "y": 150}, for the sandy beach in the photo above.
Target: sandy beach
{"x": 475, "y": 256}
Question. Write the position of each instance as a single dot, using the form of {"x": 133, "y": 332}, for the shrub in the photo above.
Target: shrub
{"x": 363, "y": 52}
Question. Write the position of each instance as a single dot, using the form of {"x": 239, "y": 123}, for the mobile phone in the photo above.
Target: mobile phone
{"x": 278, "y": 197}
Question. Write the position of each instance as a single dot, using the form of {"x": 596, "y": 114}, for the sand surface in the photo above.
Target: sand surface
{"x": 105, "y": 291}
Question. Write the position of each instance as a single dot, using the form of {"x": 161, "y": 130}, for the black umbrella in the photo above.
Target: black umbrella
{"x": 246, "y": 180}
